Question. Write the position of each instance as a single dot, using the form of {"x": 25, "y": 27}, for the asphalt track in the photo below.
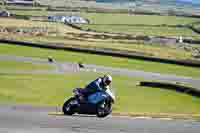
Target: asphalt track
{"x": 61, "y": 68}
{"x": 36, "y": 120}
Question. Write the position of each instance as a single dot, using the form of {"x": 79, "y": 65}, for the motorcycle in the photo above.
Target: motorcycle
{"x": 99, "y": 103}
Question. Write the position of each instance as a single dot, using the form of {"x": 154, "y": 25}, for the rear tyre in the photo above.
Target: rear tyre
{"x": 69, "y": 107}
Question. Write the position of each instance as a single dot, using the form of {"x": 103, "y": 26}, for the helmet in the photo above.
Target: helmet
{"x": 107, "y": 79}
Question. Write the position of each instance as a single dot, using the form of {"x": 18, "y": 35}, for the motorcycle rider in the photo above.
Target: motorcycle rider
{"x": 100, "y": 84}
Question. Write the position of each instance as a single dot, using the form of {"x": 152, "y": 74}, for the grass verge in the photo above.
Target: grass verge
{"x": 144, "y": 30}
{"x": 125, "y": 23}
{"x": 109, "y": 18}
{"x": 146, "y": 49}
{"x": 54, "y": 89}
{"x": 14, "y": 65}
{"x": 100, "y": 60}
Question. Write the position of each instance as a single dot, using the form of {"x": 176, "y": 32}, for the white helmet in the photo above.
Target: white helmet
{"x": 107, "y": 79}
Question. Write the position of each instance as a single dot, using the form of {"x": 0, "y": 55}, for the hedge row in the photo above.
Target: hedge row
{"x": 109, "y": 52}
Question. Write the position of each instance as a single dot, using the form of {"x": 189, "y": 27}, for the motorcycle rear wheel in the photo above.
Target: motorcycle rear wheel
{"x": 67, "y": 108}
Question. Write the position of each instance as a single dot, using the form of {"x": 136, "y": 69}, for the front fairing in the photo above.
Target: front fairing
{"x": 100, "y": 96}
{"x": 97, "y": 97}
{"x": 111, "y": 93}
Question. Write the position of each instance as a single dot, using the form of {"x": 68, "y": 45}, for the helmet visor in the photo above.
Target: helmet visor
{"x": 107, "y": 82}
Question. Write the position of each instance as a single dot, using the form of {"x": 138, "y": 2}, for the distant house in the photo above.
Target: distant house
{"x": 76, "y": 20}
{"x": 56, "y": 19}
{"x": 68, "y": 19}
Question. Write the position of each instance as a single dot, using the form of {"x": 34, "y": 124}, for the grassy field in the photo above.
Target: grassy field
{"x": 144, "y": 30}
{"x": 105, "y": 18}
{"x": 16, "y": 23}
{"x": 14, "y": 65}
{"x": 59, "y": 87}
{"x": 59, "y": 33}
{"x": 115, "y": 23}
{"x": 38, "y": 12}
{"x": 197, "y": 26}
{"x": 140, "y": 24}
{"x": 108, "y": 18}
{"x": 63, "y": 29}
{"x": 101, "y": 60}
{"x": 125, "y": 23}
{"x": 76, "y": 3}
{"x": 149, "y": 50}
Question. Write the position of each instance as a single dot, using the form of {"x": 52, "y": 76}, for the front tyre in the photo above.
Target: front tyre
{"x": 68, "y": 106}
{"x": 104, "y": 111}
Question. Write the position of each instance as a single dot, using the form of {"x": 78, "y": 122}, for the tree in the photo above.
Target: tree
{"x": 3, "y": 2}
{"x": 36, "y": 3}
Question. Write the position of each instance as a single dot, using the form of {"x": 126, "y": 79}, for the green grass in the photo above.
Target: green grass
{"x": 63, "y": 30}
{"x": 36, "y": 13}
{"x": 102, "y": 18}
{"x": 144, "y": 30}
{"x": 14, "y": 65}
{"x": 101, "y": 60}
{"x": 145, "y": 49}
{"x": 105, "y": 18}
{"x": 197, "y": 26}
{"x": 18, "y": 23}
{"x": 52, "y": 90}
{"x": 109, "y": 21}
{"x": 20, "y": 7}
{"x": 108, "y": 18}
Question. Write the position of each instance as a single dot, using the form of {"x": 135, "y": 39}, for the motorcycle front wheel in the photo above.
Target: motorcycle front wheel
{"x": 105, "y": 111}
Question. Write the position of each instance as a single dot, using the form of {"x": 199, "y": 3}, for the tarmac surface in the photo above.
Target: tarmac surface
{"x": 64, "y": 67}
{"x": 25, "y": 119}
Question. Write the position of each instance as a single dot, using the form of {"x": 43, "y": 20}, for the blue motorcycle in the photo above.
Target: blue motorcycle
{"x": 99, "y": 103}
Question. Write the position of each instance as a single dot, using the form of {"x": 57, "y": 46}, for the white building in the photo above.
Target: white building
{"x": 68, "y": 19}
{"x": 180, "y": 39}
